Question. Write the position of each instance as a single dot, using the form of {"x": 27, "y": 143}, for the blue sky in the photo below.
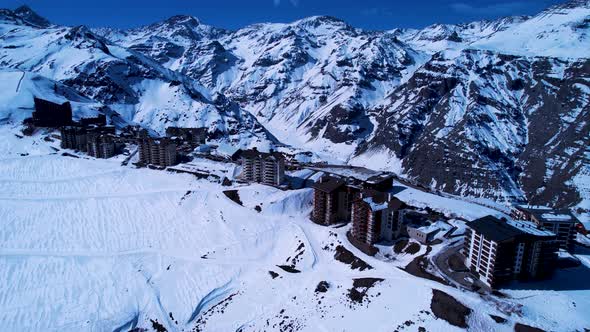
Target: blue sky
{"x": 232, "y": 14}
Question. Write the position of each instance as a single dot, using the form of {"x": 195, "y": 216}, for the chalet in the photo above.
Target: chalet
{"x": 561, "y": 222}
{"x": 49, "y": 114}
{"x": 498, "y": 251}
{"x": 261, "y": 167}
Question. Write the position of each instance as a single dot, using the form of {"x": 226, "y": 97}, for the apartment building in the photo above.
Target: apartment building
{"x": 195, "y": 136}
{"x": 262, "y": 167}
{"x": 74, "y": 137}
{"x": 49, "y": 114}
{"x": 561, "y": 222}
{"x": 101, "y": 142}
{"x": 498, "y": 251}
{"x": 332, "y": 201}
{"x": 157, "y": 151}
{"x": 376, "y": 216}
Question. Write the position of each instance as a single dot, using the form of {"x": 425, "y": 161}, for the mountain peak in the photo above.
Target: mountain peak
{"x": 29, "y": 16}
{"x": 324, "y": 20}
{"x": 183, "y": 19}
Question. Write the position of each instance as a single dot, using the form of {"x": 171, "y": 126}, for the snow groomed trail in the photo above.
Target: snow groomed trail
{"x": 89, "y": 245}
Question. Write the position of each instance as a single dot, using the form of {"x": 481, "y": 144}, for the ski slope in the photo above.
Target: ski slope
{"x": 89, "y": 245}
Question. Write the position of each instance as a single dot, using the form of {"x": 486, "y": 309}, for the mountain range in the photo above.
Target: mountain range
{"x": 490, "y": 109}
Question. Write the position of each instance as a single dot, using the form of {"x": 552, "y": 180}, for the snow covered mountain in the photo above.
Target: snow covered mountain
{"x": 99, "y": 245}
{"x": 131, "y": 84}
{"x": 476, "y": 95}
{"x": 323, "y": 85}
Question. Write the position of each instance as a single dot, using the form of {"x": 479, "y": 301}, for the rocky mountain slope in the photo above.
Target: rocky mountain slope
{"x": 133, "y": 85}
{"x": 463, "y": 108}
{"x": 493, "y": 109}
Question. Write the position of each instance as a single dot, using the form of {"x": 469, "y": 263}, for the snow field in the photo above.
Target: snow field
{"x": 88, "y": 245}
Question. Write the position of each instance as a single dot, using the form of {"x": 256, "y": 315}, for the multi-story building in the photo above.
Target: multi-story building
{"x": 74, "y": 137}
{"x": 332, "y": 201}
{"x": 100, "y": 120}
{"x": 101, "y": 144}
{"x": 498, "y": 251}
{"x": 49, "y": 114}
{"x": 376, "y": 216}
{"x": 561, "y": 222}
{"x": 195, "y": 136}
{"x": 261, "y": 167}
{"x": 157, "y": 151}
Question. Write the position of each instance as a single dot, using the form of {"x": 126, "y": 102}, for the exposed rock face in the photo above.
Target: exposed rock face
{"x": 486, "y": 124}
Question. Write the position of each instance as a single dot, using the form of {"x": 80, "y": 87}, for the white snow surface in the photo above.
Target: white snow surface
{"x": 89, "y": 245}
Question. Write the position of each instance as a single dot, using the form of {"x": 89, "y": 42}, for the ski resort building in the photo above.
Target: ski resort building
{"x": 196, "y": 136}
{"x": 100, "y": 120}
{"x": 98, "y": 142}
{"x": 261, "y": 167}
{"x": 101, "y": 142}
{"x": 376, "y": 216}
{"x": 561, "y": 222}
{"x": 49, "y": 114}
{"x": 74, "y": 137}
{"x": 423, "y": 234}
{"x": 498, "y": 251}
{"x": 332, "y": 201}
{"x": 157, "y": 151}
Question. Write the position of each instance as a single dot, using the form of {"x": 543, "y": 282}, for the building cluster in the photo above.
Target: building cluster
{"x": 99, "y": 141}
{"x": 498, "y": 251}
{"x": 370, "y": 205}
{"x": 263, "y": 167}
{"x": 94, "y": 137}
{"x": 90, "y": 135}
{"x": 166, "y": 151}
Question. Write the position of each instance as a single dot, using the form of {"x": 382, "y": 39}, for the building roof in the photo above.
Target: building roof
{"x": 254, "y": 153}
{"x": 547, "y": 214}
{"x": 494, "y": 229}
{"x": 529, "y": 227}
{"x": 328, "y": 184}
{"x": 380, "y": 200}
{"x": 498, "y": 230}
{"x": 359, "y": 173}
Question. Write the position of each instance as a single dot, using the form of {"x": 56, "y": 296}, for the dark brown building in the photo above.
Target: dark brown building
{"x": 332, "y": 201}
{"x": 376, "y": 216}
{"x": 99, "y": 120}
{"x": 102, "y": 142}
{"x": 561, "y": 222}
{"x": 74, "y": 137}
{"x": 157, "y": 151}
{"x": 498, "y": 251}
{"x": 262, "y": 167}
{"x": 196, "y": 136}
{"x": 49, "y": 114}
